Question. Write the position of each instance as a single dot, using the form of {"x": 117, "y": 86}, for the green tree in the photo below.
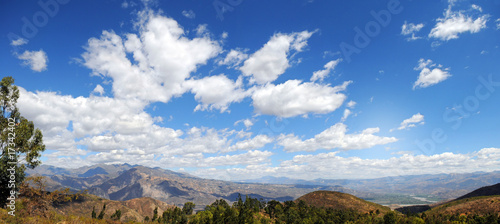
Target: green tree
{"x": 390, "y": 218}
{"x": 101, "y": 214}
{"x": 155, "y": 214}
{"x": 188, "y": 208}
{"x": 19, "y": 139}
{"x": 94, "y": 215}
{"x": 117, "y": 215}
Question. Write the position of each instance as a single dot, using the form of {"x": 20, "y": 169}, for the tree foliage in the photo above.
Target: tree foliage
{"x": 39, "y": 201}
{"x": 103, "y": 212}
{"x": 117, "y": 215}
{"x": 188, "y": 208}
{"x": 21, "y": 143}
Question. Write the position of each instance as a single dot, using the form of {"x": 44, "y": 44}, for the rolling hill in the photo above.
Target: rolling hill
{"x": 483, "y": 205}
{"x": 341, "y": 201}
{"x": 484, "y": 191}
{"x": 480, "y": 201}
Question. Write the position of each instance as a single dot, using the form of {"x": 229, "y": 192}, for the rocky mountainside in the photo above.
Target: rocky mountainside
{"x": 170, "y": 187}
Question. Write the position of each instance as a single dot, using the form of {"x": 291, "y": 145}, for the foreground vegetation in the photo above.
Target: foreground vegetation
{"x": 40, "y": 207}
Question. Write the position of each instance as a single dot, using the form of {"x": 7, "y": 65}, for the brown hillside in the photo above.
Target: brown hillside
{"x": 341, "y": 201}
{"x": 477, "y": 205}
{"x": 132, "y": 210}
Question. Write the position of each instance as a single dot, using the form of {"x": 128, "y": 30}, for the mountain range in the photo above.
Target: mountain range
{"x": 440, "y": 186}
{"x": 124, "y": 182}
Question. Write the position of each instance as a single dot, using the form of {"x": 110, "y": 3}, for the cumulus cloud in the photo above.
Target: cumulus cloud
{"x": 37, "y": 60}
{"x": 269, "y": 62}
{"x": 188, "y": 14}
{"x": 227, "y": 92}
{"x": 321, "y": 166}
{"x": 322, "y": 74}
{"x": 119, "y": 131}
{"x": 163, "y": 58}
{"x": 498, "y": 24}
{"x": 457, "y": 22}
{"x": 430, "y": 74}
{"x": 416, "y": 119}
{"x": 411, "y": 29}
{"x": 335, "y": 137}
{"x": 294, "y": 98}
{"x": 234, "y": 58}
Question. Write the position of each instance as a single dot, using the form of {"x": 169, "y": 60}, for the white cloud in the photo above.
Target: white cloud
{"x": 19, "y": 42}
{"x": 430, "y": 74}
{"x": 347, "y": 112}
{"x": 351, "y": 104}
{"x": 234, "y": 58}
{"x": 37, "y": 60}
{"x": 98, "y": 89}
{"x": 189, "y": 14}
{"x": 163, "y": 58}
{"x": 202, "y": 30}
{"x": 294, "y": 98}
{"x": 322, "y": 74}
{"x": 416, "y": 119}
{"x": 227, "y": 92}
{"x": 269, "y": 62}
{"x": 257, "y": 142}
{"x": 321, "y": 165}
{"x": 198, "y": 160}
{"x": 119, "y": 131}
{"x": 455, "y": 23}
{"x": 477, "y": 7}
{"x": 498, "y": 24}
{"x": 335, "y": 137}
{"x": 247, "y": 122}
{"x": 410, "y": 28}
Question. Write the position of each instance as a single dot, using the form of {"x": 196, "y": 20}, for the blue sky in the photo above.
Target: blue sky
{"x": 243, "y": 89}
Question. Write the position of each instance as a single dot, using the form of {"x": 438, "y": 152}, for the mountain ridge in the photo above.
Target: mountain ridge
{"x": 125, "y": 181}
